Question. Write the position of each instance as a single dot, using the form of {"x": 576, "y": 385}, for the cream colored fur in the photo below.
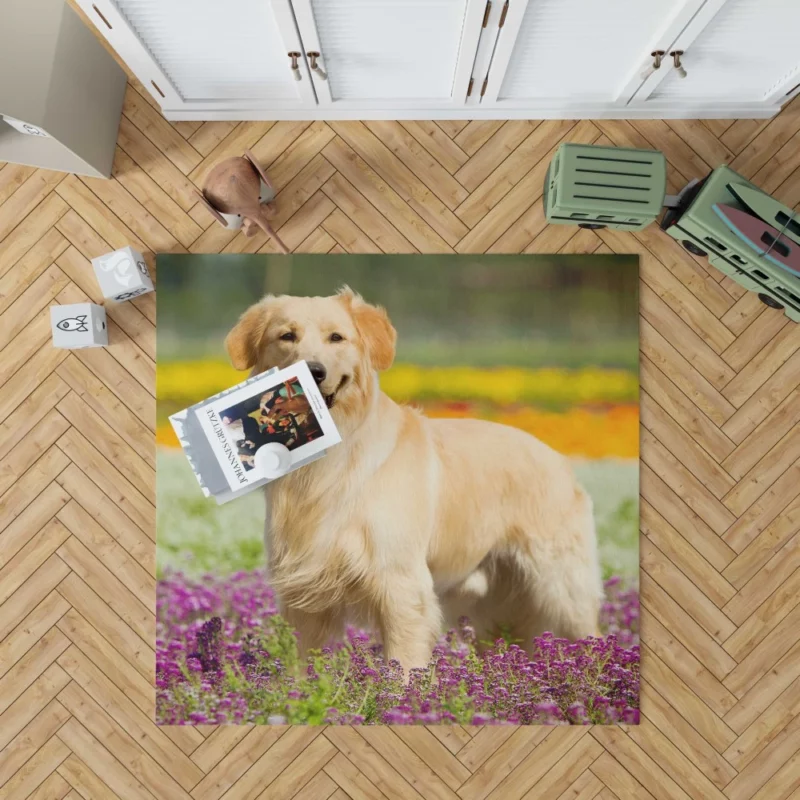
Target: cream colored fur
{"x": 411, "y": 522}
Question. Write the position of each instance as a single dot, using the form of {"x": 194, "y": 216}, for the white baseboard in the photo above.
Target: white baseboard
{"x": 716, "y": 111}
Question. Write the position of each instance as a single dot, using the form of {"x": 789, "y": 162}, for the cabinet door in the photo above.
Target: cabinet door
{"x": 735, "y": 51}
{"x": 556, "y": 54}
{"x": 208, "y": 54}
{"x": 385, "y": 54}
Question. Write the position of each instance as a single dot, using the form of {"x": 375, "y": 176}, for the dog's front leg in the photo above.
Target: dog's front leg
{"x": 410, "y": 618}
{"x": 314, "y": 629}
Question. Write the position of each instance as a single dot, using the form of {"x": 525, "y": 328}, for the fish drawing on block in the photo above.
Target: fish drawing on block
{"x": 77, "y": 324}
{"x": 763, "y": 238}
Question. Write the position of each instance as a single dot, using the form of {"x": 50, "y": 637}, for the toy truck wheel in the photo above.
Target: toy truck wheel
{"x": 693, "y": 248}
{"x": 769, "y": 301}
{"x": 592, "y": 226}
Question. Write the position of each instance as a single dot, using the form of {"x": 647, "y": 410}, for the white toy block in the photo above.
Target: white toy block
{"x": 122, "y": 275}
{"x": 78, "y": 325}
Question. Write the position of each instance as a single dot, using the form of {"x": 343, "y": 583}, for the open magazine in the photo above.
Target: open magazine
{"x": 221, "y": 434}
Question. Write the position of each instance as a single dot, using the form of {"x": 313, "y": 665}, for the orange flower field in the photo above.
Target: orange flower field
{"x": 590, "y": 413}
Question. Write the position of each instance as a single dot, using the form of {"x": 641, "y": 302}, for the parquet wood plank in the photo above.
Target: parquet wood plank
{"x": 39, "y": 583}
{"x": 39, "y": 696}
{"x": 12, "y": 176}
{"x": 119, "y": 707}
{"x": 129, "y": 463}
{"x": 143, "y": 189}
{"x": 379, "y": 158}
{"x": 35, "y": 662}
{"x": 559, "y": 742}
{"x": 106, "y": 773}
{"x": 772, "y": 688}
{"x": 144, "y": 153}
{"x": 535, "y": 150}
{"x": 371, "y": 763}
{"x": 684, "y": 412}
{"x": 31, "y": 738}
{"x": 37, "y": 769}
{"x": 109, "y": 625}
{"x": 159, "y": 131}
{"x": 689, "y": 705}
{"x": 365, "y": 217}
{"x": 318, "y": 241}
{"x": 437, "y": 143}
{"x": 122, "y": 745}
{"x": 639, "y": 764}
{"x": 502, "y": 762}
{"x": 691, "y": 635}
{"x": 763, "y": 402}
{"x": 31, "y": 629}
{"x": 419, "y": 161}
{"x": 352, "y": 783}
{"x": 88, "y": 784}
{"x": 475, "y": 134}
{"x": 30, "y": 267}
{"x": 778, "y": 534}
{"x": 566, "y": 771}
{"x": 106, "y": 586}
{"x": 768, "y": 615}
{"x": 298, "y": 774}
{"x": 764, "y": 730}
{"x": 54, "y": 787}
{"x": 720, "y": 507}
{"x": 30, "y": 230}
{"x": 230, "y": 769}
{"x": 673, "y": 728}
{"x": 681, "y": 554}
{"x": 26, "y": 530}
{"x": 208, "y": 135}
{"x": 299, "y": 153}
{"x": 493, "y": 152}
{"x": 705, "y": 468}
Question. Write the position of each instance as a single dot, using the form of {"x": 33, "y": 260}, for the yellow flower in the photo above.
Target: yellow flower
{"x": 191, "y": 381}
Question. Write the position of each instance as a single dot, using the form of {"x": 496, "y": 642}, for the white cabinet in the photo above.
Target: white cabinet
{"x": 336, "y": 59}
{"x": 734, "y": 51}
{"x": 390, "y": 54}
{"x": 563, "y": 53}
{"x": 214, "y": 56}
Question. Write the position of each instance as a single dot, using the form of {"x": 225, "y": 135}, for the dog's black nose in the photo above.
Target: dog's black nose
{"x": 318, "y": 371}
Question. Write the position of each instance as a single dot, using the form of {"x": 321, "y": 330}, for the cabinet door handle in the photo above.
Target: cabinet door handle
{"x": 295, "y": 67}
{"x": 313, "y": 56}
{"x": 676, "y": 60}
{"x": 657, "y": 55}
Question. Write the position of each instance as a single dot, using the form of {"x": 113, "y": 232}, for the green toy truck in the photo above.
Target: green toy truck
{"x": 610, "y": 187}
{"x": 605, "y": 187}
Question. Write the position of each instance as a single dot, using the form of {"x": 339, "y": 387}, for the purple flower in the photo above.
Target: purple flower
{"x": 224, "y": 655}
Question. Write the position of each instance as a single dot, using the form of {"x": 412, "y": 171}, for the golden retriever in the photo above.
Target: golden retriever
{"x": 411, "y": 521}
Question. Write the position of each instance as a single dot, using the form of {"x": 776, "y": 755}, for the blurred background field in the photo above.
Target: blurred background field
{"x": 548, "y": 344}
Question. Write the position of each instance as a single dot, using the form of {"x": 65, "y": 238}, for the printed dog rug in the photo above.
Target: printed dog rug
{"x": 454, "y": 537}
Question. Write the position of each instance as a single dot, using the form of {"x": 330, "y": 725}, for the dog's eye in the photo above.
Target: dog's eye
{"x": 288, "y": 336}
{"x": 337, "y": 337}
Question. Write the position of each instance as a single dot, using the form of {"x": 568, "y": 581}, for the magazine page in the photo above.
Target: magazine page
{"x": 285, "y": 407}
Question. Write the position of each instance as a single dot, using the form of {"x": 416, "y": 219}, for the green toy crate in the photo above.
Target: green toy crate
{"x": 695, "y": 224}
{"x": 599, "y": 187}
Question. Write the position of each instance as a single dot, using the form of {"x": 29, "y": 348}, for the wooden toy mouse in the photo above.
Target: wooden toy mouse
{"x": 238, "y": 194}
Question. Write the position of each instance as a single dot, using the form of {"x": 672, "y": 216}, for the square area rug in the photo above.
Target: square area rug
{"x": 467, "y": 553}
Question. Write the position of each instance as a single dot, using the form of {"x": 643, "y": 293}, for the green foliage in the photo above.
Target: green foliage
{"x": 196, "y": 536}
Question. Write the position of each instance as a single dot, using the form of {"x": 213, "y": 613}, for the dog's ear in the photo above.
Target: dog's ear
{"x": 374, "y": 326}
{"x": 243, "y": 341}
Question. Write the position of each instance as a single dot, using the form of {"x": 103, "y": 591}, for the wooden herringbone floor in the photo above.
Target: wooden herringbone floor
{"x": 720, "y": 472}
